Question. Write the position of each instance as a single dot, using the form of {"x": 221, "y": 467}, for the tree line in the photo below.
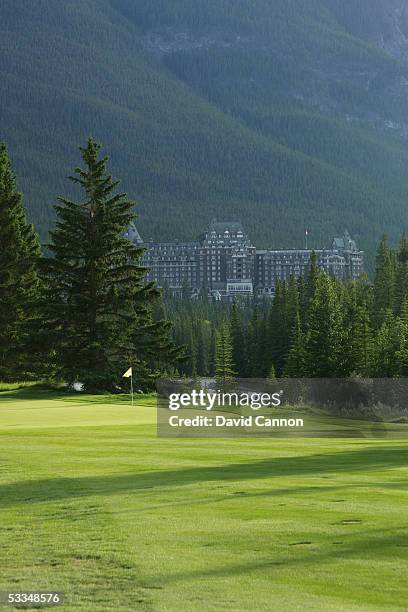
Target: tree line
{"x": 79, "y": 310}
{"x": 315, "y": 326}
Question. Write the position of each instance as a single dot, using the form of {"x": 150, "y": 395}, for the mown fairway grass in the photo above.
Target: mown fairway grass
{"x": 93, "y": 504}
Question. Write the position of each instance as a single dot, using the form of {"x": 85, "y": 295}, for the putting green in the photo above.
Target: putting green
{"x": 93, "y": 504}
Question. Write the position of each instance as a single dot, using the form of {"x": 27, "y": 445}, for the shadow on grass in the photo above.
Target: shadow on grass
{"x": 364, "y": 460}
{"x": 42, "y": 392}
{"x": 239, "y": 496}
{"x": 34, "y": 392}
{"x": 379, "y": 544}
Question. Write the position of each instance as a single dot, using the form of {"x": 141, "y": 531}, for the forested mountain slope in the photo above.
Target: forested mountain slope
{"x": 284, "y": 114}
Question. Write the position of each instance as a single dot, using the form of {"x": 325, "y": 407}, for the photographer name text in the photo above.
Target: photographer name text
{"x": 241, "y": 421}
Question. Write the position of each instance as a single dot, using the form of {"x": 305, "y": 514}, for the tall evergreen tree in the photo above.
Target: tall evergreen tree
{"x": 401, "y": 275}
{"x": 252, "y": 337}
{"x": 262, "y": 365}
{"x": 212, "y": 350}
{"x": 224, "y": 364}
{"x": 193, "y": 352}
{"x": 277, "y": 330}
{"x": 155, "y": 352}
{"x": 292, "y": 309}
{"x": 384, "y": 283}
{"x": 202, "y": 354}
{"x": 238, "y": 342}
{"x": 358, "y": 334}
{"x": 296, "y": 365}
{"x": 388, "y": 343}
{"x": 402, "y": 352}
{"x": 98, "y": 307}
{"x": 272, "y": 374}
{"x": 311, "y": 280}
{"x": 19, "y": 256}
{"x": 325, "y": 330}
{"x": 303, "y": 298}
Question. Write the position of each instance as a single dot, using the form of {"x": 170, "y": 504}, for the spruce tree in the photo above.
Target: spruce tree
{"x": 262, "y": 360}
{"x": 402, "y": 352}
{"x": 19, "y": 256}
{"x": 155, "y": 354}
{"x": 358, "y": 338}
{"x": 98, "y": 307}
{"x": 272, "y": 374}
{"x": 224, "y": 364}
{"x": 202, "y": 356}
{"x": 384, "y": 283}
{"x": 387, "y": 347}
{"x": 325, "y": 346}
{"x": 292, "y": 309}
{"x": 401, "y": 276}
{"x": 303, "y": 299}
{"x": 311, "y": 280}
{"x": 252, "y": 342}
{"x": 212, "y": 350}
{"x": 193, "y": 352}
{"x": 277, "y": 329}
{"x": 297, "y": 364}
{"x": 238, "y": 342}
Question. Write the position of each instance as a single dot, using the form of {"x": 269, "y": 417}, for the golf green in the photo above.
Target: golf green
{"x": 95, "y": 505}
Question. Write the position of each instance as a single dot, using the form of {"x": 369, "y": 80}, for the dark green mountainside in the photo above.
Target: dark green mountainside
{"x": 283, "y": 114}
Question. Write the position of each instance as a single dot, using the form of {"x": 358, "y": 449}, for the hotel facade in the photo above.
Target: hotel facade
{"x": 224, "y": 263}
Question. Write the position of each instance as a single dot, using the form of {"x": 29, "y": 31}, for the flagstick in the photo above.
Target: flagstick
{"x": 131, "y": 386}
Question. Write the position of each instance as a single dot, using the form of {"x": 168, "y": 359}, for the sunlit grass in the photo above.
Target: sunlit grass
{"x": 94, "y": 504}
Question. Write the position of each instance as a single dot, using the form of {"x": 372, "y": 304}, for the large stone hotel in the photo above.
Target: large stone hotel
{"x": 224, "y": 263}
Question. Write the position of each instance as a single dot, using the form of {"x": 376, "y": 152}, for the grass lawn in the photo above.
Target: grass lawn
{"x": 93, "y": 504}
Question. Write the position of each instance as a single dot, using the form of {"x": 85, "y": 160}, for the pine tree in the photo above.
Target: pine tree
{"x": 193, "y": 352}
{"x": 386, "y": 362}
{"x": 359, "y": 340}
{"x": 324, "y": 345}
{"x": 303, "y": 301}
{"x": 212, "y": 350}
{"x": 155, "y": 351}
{"x": 401, "y": 275}
{"x": 402, "y": 352}
{"x": 202, "y": 356}
{"x": 260, "y": 349}
{"x": 238, "y": 342}
{"x": 252, "y": 342}
{"x": 296, "y": 365}
{"x": 311, "y": 280}
{"x": 292, "y": 309}
{"x": 277, "y": 331}
{"x": 384, "y": 283}
{"x": 272, "y": 374}
{"x": 98, "y": 307}
{"x": 224, "y": 364}
{"x": 19, "y": 286}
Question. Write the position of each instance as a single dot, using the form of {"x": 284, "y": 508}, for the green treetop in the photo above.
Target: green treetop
{"x": 98, "y": 305}
{"x": 224, "y": 364}
{"x": 19, "y": 256}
